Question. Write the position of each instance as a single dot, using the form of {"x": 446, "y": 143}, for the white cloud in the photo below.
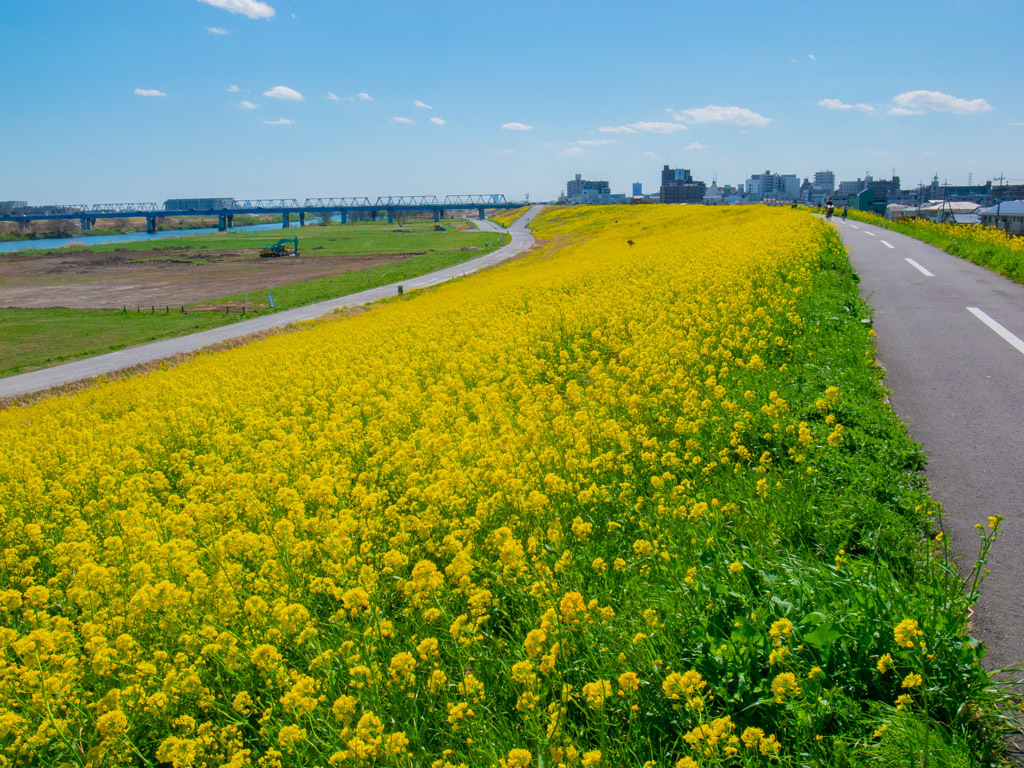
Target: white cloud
{"x": 421, "y": 105}
{"x": 504, "y": 151}
{"x": 251, "y": 8}
{"x": 811, "y": 57}
{"x": 217, "y": 31}
{"x": 1016, "y": 122}
{"x": 284, "y": 92}
{"x": 331, "y": 97}
{"x": 697, "y": 145}
{"x": 402, "y": 120}
{"x": 918, "y": 102}
{"x": 364, "y": 97}
{"x": 437, "y": 121}
{"x": 649, "y": 154}
{"x": 247, "y": 105}
{"x": 837, "y": 104}
{"x": 877, "y": 152}
{"x": 516, "y": 127}
{"x": 233, "y": 89}
{"x": 279, "y": 121}
{"x": 148, "y": 92}
{"x": 571, "y": 152}
{"x": 595, "y": 142}
{"x": 834, "y": 104}
{"x": 725, "y": 115}
{"x": 644, "y": 126}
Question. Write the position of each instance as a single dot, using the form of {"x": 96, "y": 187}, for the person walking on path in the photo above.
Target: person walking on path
{"x": 844, "y": 212}
{"x": 829, "y": 209}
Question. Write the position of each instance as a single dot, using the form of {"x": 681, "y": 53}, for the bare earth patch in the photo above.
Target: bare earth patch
{"x": 73, "y": 278}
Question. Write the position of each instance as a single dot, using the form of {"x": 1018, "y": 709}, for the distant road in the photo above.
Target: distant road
{"x": 951, "y": 339}
{"x": 37, "y": 381}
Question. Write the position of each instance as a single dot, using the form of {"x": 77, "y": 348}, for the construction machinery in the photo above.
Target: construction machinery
{"x": 287, "y": 247}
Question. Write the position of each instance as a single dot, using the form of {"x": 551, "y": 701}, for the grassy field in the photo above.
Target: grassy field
{"x": 606, "y": 505}
{"x": 983, "y": 246}
{"x": 35, "y": 338}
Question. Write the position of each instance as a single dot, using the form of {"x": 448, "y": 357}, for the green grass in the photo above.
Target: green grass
{"x": 983, "y": 246}
{"x": 315, "y": 241}
{"x": 36, "y": 338}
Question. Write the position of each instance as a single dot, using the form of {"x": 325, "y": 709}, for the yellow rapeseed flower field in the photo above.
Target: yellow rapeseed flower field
{"x": 581, "y": 509}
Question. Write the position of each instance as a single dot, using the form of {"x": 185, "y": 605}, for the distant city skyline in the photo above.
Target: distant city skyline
{"x": 283, "y": 98}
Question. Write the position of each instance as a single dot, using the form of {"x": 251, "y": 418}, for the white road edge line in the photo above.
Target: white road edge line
{"x": 872, "y": 234}
{"x": 919, "y": 268}
{"x": 887, "y": 244}
{"x": 1008, "y": 337}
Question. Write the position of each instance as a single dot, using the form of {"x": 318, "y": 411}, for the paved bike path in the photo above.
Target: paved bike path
{"x": 951, "y": 340}
{"x": 37, "y": 381}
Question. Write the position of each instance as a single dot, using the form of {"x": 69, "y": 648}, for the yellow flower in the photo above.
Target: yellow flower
{"x": 591, "y": 759}
{"x": 519, "y": 758}
{"x": 913, "y": 680}
{"x": 596, "y": 693}
{"x": 629, "y": 682}
{"x": 884, "y": 663}
{"x": 906, "y": 633}
{"x": 736, "y": 567}
{"x": 785, "y": 685}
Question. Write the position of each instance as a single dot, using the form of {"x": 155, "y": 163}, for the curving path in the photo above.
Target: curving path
{"x": 951, "y": 340}
{"x": 37, "y": 381}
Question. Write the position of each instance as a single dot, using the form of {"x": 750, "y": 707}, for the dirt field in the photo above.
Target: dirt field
{"x": 78, "y": 279}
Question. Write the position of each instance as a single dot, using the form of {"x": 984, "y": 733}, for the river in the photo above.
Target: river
{"x": 59, "y": 242}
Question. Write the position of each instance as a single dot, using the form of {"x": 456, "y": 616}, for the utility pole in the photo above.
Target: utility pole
{"x": 999, "y": 202}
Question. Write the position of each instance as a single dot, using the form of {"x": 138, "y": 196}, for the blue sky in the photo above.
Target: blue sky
{"x": 118, "y": 101}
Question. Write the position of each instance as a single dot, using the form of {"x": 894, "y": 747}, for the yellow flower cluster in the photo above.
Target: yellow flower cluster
{"x": 437, "y": 526}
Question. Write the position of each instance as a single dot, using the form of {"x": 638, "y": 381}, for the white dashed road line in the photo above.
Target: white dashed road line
{"x": 1008, "y": 337}
{"x": 919, "y": 268}
{"x": 869, "y": 234}
{"x": 887, "y": 244}
{"x": 855, "y": 226}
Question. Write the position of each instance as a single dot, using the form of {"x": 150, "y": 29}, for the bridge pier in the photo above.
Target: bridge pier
{"x": 151, "y": 224}
{"x": 344, "y": 217}
{"x": 302, "y": 218}
{"x": 391, "y": 216}
{"x": 481, "y": 212}
{"x": 222, "y": 222}
{"x": 437, "y": 214}
{"x": 231, "y": 220}
{"x": 87, "y": 224}
{"x": 285, "y": 222}
{"x": 373, "y": 215}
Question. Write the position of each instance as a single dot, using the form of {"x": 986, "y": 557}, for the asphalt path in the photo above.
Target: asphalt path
{"x": 41, "y": 380}
{"x": 951, "y": 340}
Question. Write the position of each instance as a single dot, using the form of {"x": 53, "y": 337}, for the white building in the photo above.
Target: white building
{"x": 773, "y": 186}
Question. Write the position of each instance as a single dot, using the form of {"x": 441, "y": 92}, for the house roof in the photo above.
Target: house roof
{"x": 958, "y": 206}
{"x": 1006, "y": 208}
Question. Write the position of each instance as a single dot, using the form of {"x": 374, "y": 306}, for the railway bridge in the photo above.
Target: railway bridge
{"x": 225, "y": 209}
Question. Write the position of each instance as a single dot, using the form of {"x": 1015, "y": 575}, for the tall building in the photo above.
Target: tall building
{"x": 678, "y": 186}
{"x": 580, "y": 190}
{"x": 638, "y": 189}
{"x": 825, "y": 181}
{"x": 773, "y": 186}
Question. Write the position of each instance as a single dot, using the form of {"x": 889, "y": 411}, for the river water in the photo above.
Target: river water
{"x": 58, "y": 242}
